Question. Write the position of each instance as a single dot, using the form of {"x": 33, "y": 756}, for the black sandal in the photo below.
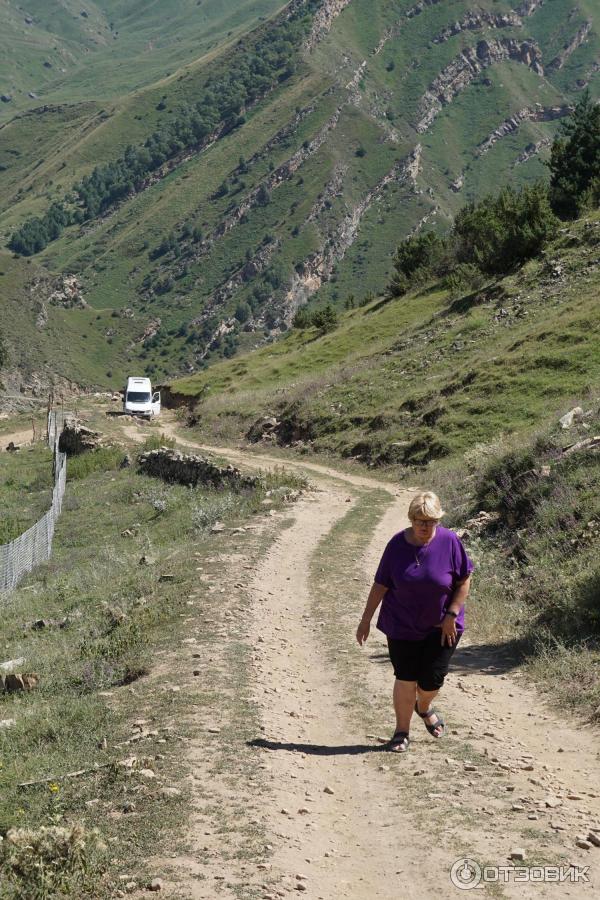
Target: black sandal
{"x": 400, "y": 742}
{"x": 431, "y": 728}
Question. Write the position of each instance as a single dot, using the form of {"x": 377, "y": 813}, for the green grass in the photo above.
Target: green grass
{"x": 426, "y": 375}
{"x": 536, "y": 585}
{"x": 25, "y": 489}
{"x": 124, "y": 46}
{"x": 99, "y": 656}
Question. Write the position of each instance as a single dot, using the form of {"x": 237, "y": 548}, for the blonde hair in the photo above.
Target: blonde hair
{"x": 426, "y": 504}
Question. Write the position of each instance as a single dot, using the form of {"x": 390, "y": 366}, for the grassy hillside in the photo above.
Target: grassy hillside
{"x": 69, "y": 51}
{"x": 368, "y": 137}
{"x": 110, "y": 706}
{"x": 427, "y": 375}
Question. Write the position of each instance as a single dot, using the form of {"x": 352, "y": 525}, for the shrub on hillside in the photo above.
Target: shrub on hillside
{"x": 325, "y": 319}
{"x": 503, "y": 231}
{"x": 417, "y": 258}
{"x": 575, "y": 161}
{"x": 51, "y": 861}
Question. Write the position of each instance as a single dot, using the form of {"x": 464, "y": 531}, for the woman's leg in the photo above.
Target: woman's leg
{"x": 424, "y": 701}
{"x": 435, "y": 663}
{"x": 405, "y": 693}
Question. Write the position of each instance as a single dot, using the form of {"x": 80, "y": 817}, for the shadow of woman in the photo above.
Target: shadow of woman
{"x": 318, "y": 749}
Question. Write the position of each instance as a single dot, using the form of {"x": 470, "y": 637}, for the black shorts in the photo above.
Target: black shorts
{"x": 425, "y": 661}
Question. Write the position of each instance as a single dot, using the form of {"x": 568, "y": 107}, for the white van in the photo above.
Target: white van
{"x": 138, "y": 399}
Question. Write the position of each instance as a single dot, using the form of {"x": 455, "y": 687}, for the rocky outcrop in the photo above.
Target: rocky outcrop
{"x": 318, "y": 267}
{"x": 250, "y": 269}
{"x": 532, "y": 150}
{"x": 75, "y": 438}
{"x": 477, "y": 20}
{"x": 569, "y": 48}
{"x": 528, "y": 7}
{"x": 528, "y": 114}
{"x": 465, "y": 67}
{"x": 394, "y": 30}
{"x": 324, "y": 19}
{"x": 279, "y": 176}
{"x": 64, "y": 291}
{"x": 180, "y": 468}
{"x": 418, "y": 8}
{"x": 333, "y": 189}
{"x": 584, "y": 82}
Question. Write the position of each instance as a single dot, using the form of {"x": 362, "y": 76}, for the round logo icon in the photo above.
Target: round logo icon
{"x": 465, "y": 874}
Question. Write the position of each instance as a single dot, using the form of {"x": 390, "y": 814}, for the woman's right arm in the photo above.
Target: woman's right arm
{"x": 376, "y": 595}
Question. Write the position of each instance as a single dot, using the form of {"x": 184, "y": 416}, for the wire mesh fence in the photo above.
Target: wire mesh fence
{"x": 34, "y": 546}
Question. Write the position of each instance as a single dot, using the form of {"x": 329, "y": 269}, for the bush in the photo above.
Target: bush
{"x": 510, "y": 485}
{"x": 575, "y": 161}
{"x": 416, "y": 258}
{"x": 50, "y": 862}
{"x": 103, "y": 459}
{"x": 503, "y": 231}
{"x": 325, "y": 319}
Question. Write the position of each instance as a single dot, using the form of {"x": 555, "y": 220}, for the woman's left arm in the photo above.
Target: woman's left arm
{"x": 456, "y": 604}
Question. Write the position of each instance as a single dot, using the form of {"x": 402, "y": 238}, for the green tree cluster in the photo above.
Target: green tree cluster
{"x": 324, "y": 319}
{"x": 503, "y": 231}
{"x": 491, "y": 236}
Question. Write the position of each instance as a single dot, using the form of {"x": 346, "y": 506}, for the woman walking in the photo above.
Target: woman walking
{"x": 423, "y": 580}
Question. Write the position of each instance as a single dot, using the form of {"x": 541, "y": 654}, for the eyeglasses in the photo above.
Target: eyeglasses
{"x": 425, "y": 523}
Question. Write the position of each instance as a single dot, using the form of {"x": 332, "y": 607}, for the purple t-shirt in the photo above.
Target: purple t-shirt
{"x": 421, "y": 581}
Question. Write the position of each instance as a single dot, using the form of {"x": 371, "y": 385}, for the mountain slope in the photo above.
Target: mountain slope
{"x": 424, "y": 376}
{"x": 391, "y": 116}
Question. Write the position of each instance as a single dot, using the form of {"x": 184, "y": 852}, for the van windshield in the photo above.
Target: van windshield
{"x": 138, "y": 397}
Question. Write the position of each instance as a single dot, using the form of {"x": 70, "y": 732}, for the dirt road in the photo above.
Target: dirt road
{"x": 345, "y": 818}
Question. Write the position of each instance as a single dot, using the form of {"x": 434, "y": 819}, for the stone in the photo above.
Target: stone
{"x": 574, "y": 415}
{"x": 327, "y": 790}
{"x": 171, "y": 793}
{"x": 156, "y": 884}
{"x": 11, "y": 664}
{"x": 7, "y": 723}
{"x": 518, "y": 853}
{"x": 147, "y": 560}
{"x": 14, "y": 682}
{"x": 147, "y": 774}
{"x": 594, "y": 838}
{"x": 583, "y": 844}
{"x": 552, "y": 802}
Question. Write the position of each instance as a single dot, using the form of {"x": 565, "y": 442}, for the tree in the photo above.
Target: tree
{"x": 263, "y": 197}
{"x": 502, "y": 231}
{"x": 242, "y": 312}
{"x": 575, "y": 161}
{"x": 415, "y": 258}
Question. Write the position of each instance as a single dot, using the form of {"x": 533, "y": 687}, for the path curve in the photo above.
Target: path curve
{"x": 533, "y": 781}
